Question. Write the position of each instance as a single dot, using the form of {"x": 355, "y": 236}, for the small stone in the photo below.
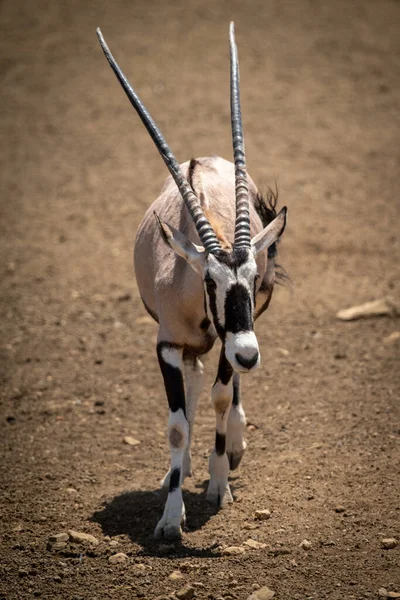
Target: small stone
{"x": 392, "y": 339}
{"x": 57, "y": 579}
{"x": 382, "y": 593}
{"x": 263, "y": 593}
{"x": 376, "y": 308}
{"x": 262, "y": 515}
{"x": 339, "y": 509}
{"x": 58, "y": 537}
{"x": 185, "y": 593}
{"x": 72, "y": 491}
{"x": 393, "y": 595}
{"x": 305, "y": 544}
{"x": 255, "y": 544}
{"x": 130, "y": 441}
{"x": 82, "y": 538}
{"x": 118, "y": 558}
{"x": 176, "y": 575}
{"x": 283, "y": 351}
{"x": 113, "y": 543}
{"x": 23, "y": 573}
{"x": 389, "y": 543}
{"x": 231, "y": 550}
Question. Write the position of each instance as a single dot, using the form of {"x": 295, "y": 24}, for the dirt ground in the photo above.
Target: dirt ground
{"x": 320, "y": 98}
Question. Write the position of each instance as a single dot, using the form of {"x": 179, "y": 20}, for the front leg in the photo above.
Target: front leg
{"x": 235, "y": 442}
{"x": 170, "y": 358}
{"x": 219, "y": 492}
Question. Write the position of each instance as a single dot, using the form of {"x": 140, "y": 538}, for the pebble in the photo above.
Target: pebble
{"x": 57, "y": 541}
{"x": 118, "y": 558}
{"x": 81, "y": 538}
{"x": 305, "y": 544}
{"x": 339, "y": 509}
{"x": 382, "y": 592}
{"x": 376, "y": 308}
{"x": 130, "y": 441}
{"x": 393, "y": 595}
{"x": 283, "y": 351}
{"x": 255, "y": 544}
{"x": 185, "y": 593}
{"x": 176, "y": 575}
{"x": 263, "y": 593}
{"x": 233, "y": 550}
{"x": 262, "y": 515}
{"x": 113, "y": 543}
{"x": 23, "y": 573}
{"x": 389, "y": 543}
{"x": 391, "y": 339}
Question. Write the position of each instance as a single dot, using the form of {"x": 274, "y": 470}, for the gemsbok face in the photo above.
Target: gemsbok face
{"x": 230, "y": 283}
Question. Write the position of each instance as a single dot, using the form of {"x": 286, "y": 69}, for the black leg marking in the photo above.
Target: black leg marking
{"x": 173, "y": 380}
{"x": 236, "y": 389}
{"x": 174, "y": 479}
{"x": 220, "y": 440}
{"x": 225, "y": 369}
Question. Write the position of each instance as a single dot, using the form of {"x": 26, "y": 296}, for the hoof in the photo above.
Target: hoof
{"x": 168, "y": 532}
{"x": 235, "y": 459}
{"x": 219, "y": 495}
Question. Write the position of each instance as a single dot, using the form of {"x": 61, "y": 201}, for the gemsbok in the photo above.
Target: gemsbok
{"x": 214, "y": 278}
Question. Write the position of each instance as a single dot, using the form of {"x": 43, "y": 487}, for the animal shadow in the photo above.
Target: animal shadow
{"x": 136, "y": 514}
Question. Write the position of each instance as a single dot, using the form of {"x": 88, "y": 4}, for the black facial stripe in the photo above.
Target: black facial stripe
{"x": 212, "y": 294}
{"x": 220, "y": 440}
{"x": 174, "y": 479}
{"x": 238, "y": 309}
{"x": 173, "y": 380}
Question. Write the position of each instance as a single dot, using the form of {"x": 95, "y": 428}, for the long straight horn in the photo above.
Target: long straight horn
{"x": 242, "y": 225}
{"x": 204, "y": 229}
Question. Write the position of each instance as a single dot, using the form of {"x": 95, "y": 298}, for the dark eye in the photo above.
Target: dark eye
{"x": 209, "y": 281}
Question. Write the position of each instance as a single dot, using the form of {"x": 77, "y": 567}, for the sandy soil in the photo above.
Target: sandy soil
{"x": 320, "y": 96}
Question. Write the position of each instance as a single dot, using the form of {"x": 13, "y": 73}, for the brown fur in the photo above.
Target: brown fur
{"x": 176, "y": 438}
{"x": 218, "y": 229}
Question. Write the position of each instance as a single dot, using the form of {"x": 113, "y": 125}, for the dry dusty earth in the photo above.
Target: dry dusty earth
{"x": 320, "y": 95}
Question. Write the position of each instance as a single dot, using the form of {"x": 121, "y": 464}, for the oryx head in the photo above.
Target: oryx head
{"x": 230, "y": 278}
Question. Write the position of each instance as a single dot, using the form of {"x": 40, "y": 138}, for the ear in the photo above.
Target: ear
{"x": 270, "y": 233}
{"x": 193, "y": 254}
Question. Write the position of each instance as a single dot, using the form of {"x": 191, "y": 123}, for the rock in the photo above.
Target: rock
{"x": 176, "y": 575}
{"x": 262, "y": 515}
{"x": 376, "y": 308}
{"x": 340, "y": 509}
{"x": 58, "y": 537}
{"x": 393, "y": 595}
{"x": 118, "y": 558}
{"x": 283, "y": 351}
{"x": 255, "y": 544}
{"x": 57, "y": 541}
{"x": 389, "y": 543}
{"x": 113, "y": 543}
{"x": 130, "y": 441}
{"x": 382, "y": 593}
{"x": 305, "y": 544}
{"x": 185, "y": 593}
{"x": 392, "y": 339}
{"x": 72, "y": 491}
{"x": 82, "y": 538}
{"x": 263, "y": 593}
{"x": 23, "y": 573}
{"x": 231, "y": 550}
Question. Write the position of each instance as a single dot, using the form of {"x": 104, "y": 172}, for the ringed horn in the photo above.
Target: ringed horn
{"x": 204, "y": 229}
